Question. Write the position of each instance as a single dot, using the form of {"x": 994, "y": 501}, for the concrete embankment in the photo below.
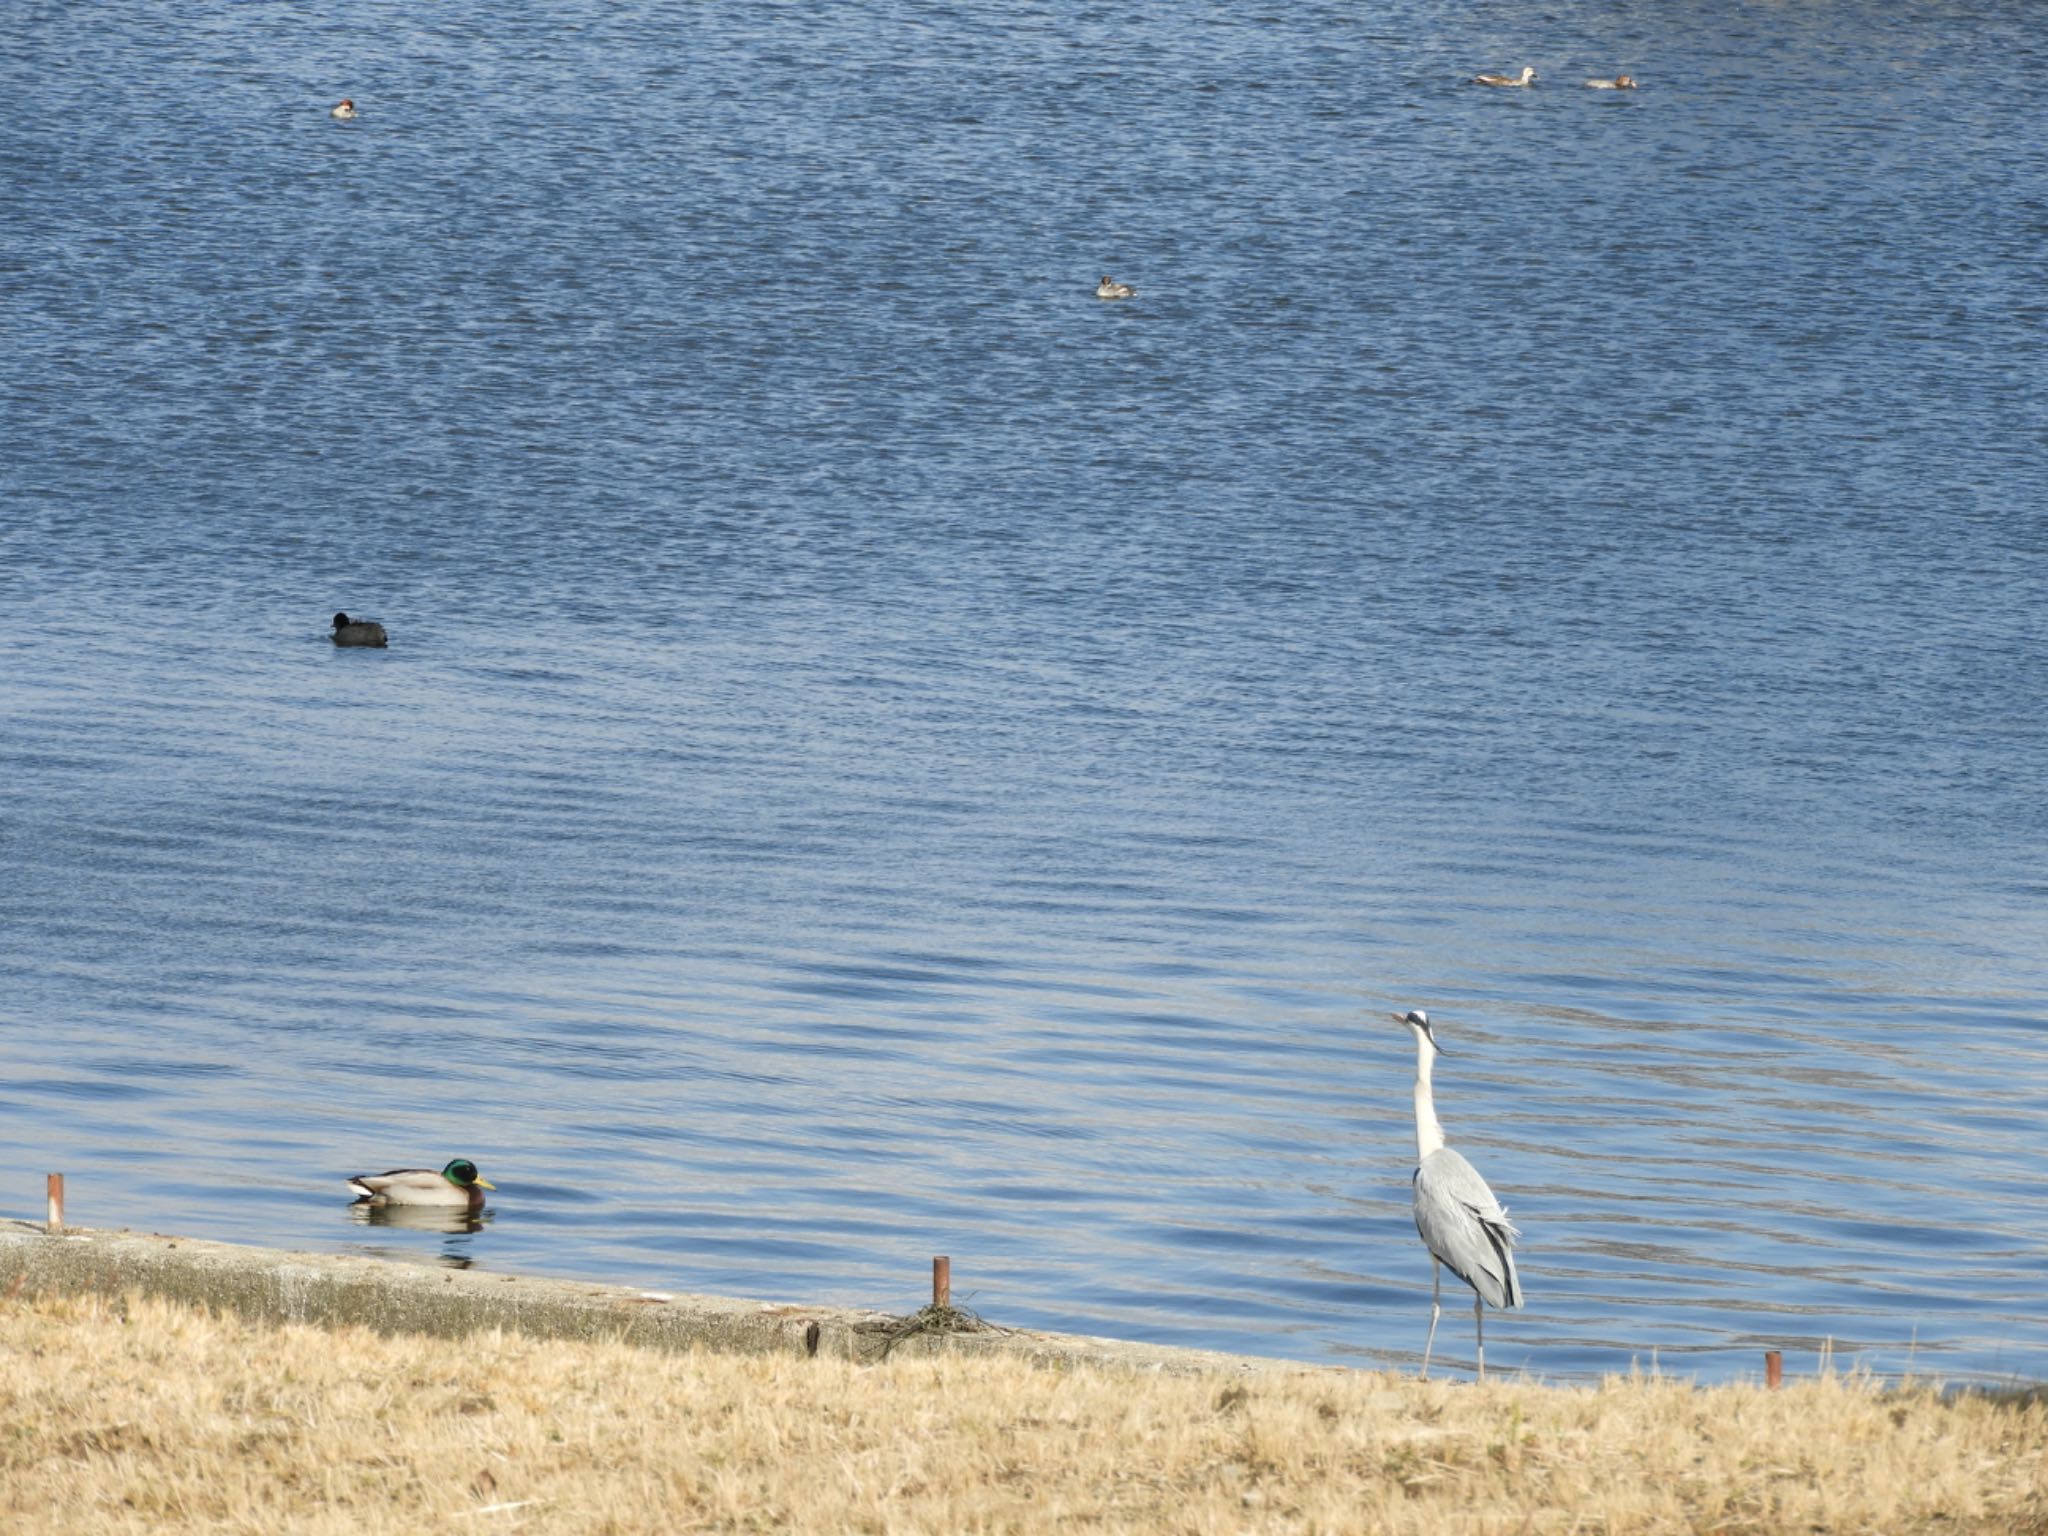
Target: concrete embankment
{"x": 391, "y": 1297}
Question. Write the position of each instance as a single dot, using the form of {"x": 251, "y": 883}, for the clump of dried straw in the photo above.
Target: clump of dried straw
{"x": 939, "y": 1317}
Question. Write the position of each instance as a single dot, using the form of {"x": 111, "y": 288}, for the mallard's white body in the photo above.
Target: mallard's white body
{"x": 418, "y": 1186}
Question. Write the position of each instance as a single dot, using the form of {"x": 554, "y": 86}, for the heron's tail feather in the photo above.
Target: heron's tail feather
{"x": 1513, "y": 1302}
{"x": 1501, "y": 1234}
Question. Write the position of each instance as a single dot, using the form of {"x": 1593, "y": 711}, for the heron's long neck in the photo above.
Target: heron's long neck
{"x": 1429, "y": 1133}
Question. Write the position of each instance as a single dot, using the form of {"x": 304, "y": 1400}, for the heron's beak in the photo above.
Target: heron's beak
{"x": 484, "y": 1183}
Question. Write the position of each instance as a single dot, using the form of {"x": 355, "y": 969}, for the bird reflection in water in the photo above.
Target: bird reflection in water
{"x": 454, "y": 1221}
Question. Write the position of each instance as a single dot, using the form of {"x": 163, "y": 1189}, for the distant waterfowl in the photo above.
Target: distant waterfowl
{"x": 459, "y": 1184}
{"x": 1528, "y": 74}
{"x": 348, "y": 631}
{"x": 1109, "y": 288}
{"x": 344, "y": 111}
{"x": 1618, "y": 83}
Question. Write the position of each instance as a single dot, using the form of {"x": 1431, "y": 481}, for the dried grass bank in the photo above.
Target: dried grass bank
{"x": 144, "y": 1416}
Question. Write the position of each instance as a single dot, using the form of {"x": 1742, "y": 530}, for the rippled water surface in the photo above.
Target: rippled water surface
{"x": 883, "y": 754}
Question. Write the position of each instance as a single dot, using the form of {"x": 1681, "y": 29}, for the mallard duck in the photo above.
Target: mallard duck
{"x": 1109, "y": 288}
{"x": 345, "y": 111}
{"x": 348, "y": 631}
{"x": 457, "y": 1184}
{"x": 1618, "y": 83}
{"x": 1528, "y": 74}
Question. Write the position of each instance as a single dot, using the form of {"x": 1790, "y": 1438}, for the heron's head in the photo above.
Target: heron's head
{"x": 1418, "y": 1020}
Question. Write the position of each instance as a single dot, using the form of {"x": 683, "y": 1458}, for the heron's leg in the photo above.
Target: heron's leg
{"x": 1479, "y": 1331}
{"x": 1436, "y": 1307}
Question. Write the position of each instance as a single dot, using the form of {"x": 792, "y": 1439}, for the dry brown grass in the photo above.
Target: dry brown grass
{"x": 140, "y": 1416}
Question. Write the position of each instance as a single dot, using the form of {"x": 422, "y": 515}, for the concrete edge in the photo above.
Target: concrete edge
{"x": 392, "y": 1297}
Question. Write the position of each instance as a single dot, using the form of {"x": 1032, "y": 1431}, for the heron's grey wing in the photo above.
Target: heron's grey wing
{"x": 1465, "y": 1226}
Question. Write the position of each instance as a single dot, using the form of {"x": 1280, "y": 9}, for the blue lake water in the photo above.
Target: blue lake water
{"x": 882, "y": 754}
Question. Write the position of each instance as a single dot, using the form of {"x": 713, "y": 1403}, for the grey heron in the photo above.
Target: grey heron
{"x": 1461, "y": 1222}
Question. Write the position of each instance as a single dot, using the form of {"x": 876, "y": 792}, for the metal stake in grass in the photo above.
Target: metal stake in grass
{"x": 942, "y": 1281}
{"x": 56, "y": 1202}
{"x": 1774, "y": 1369}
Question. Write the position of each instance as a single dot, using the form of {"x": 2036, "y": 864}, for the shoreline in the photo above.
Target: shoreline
{"x": 398, "y": 1297}
{"x": 391, "y": 1296}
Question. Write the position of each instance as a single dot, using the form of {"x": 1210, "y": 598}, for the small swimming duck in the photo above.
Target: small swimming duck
{"x": 459, "y": 1184}
{"x": 1109, "y": 288}
{"x": 1528, "y": 74}
{"x": 345, "y": 110}
{"x": 348, "y": 631}
{"x": 1618, "y": 83}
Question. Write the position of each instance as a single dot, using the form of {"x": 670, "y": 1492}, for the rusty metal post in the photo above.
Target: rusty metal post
{"x": 56, "y": 1202}
{"x": 942, "y": 1281}
{"x": 1774, "y": 1369}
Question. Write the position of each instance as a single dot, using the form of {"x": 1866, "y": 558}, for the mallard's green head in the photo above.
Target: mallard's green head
{"x": 462, "y": 1174}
